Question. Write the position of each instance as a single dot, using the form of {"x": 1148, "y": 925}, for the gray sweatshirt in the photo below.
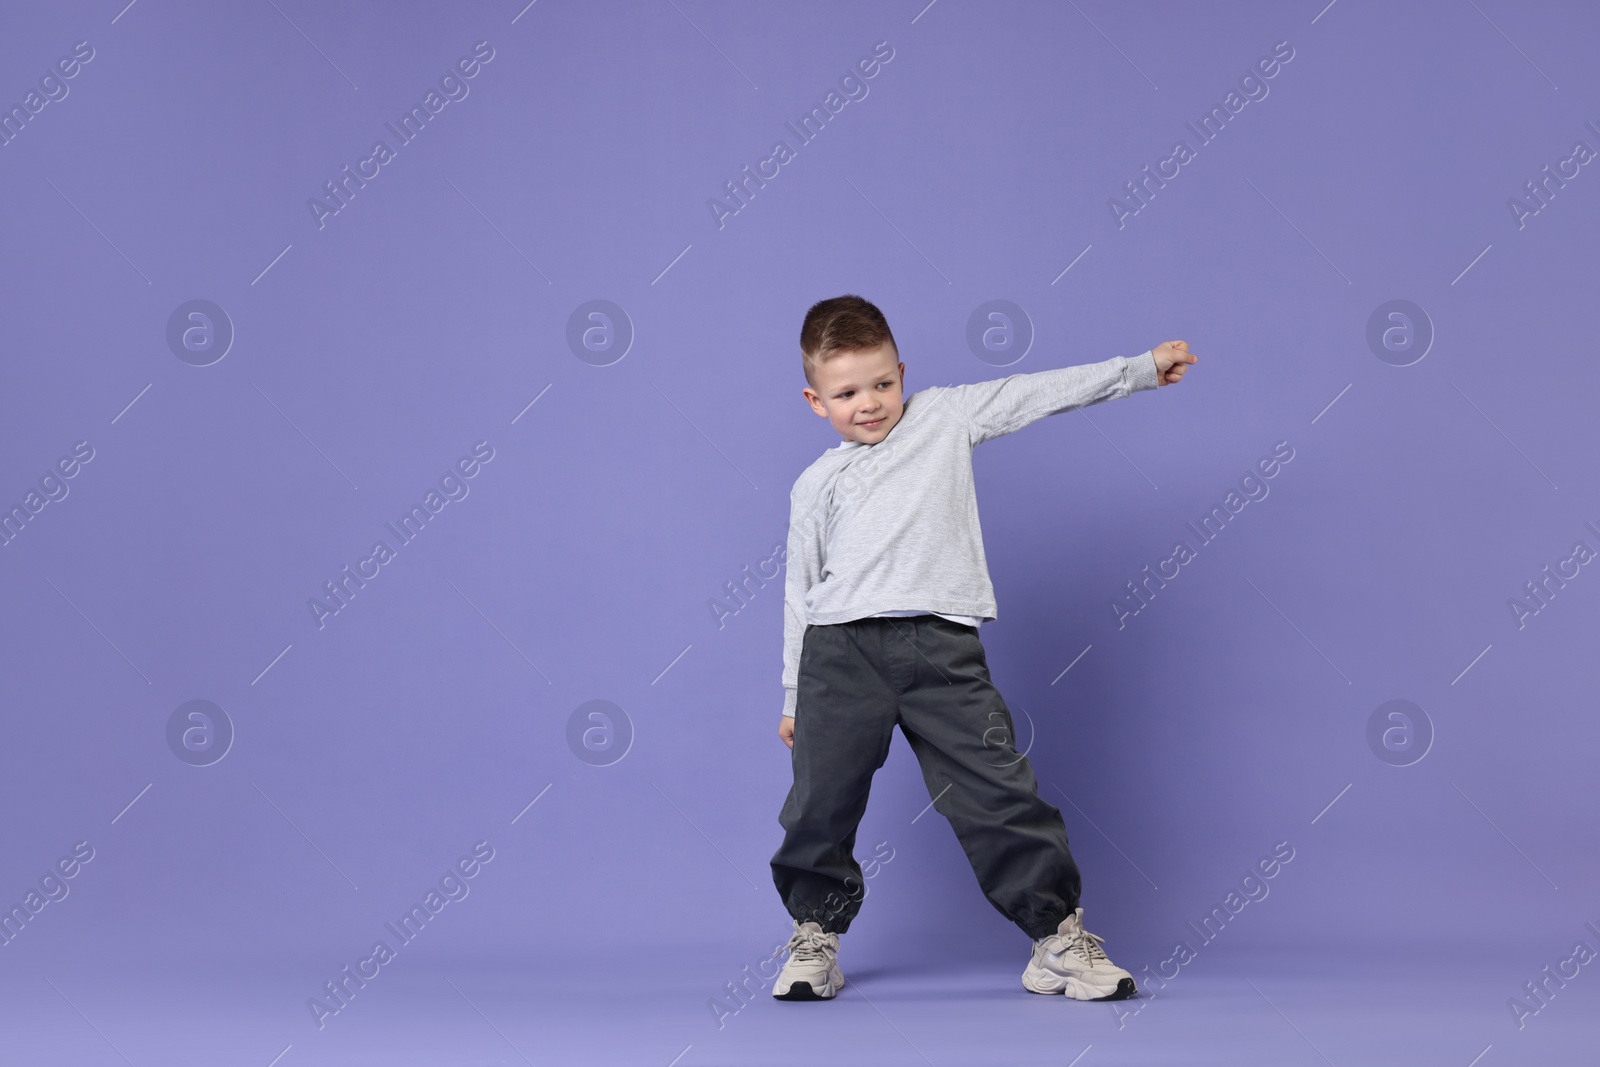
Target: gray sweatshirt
{"x": 893, "y": 526}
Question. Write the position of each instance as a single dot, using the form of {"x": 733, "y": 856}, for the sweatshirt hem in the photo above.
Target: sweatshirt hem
{"x": 986, "y": 611}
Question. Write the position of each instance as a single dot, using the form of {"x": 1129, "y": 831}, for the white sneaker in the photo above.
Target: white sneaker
{"x": 1071, "y": 961}
{"x": 811, "y": 972}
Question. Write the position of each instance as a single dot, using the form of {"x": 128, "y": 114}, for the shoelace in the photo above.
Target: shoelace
{"x": 807, "y": 944}
{"x": 1086, "y": 946}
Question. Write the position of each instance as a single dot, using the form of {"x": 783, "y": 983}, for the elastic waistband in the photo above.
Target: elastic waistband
{"x": 884, "y": 620}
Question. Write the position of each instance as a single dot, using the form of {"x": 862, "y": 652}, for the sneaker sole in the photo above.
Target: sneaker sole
{"x": 1126, "y": 987}
{"x": 803, "y": 991}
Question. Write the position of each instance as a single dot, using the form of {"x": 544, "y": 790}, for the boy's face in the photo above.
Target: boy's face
{"x": 858, "y": 391}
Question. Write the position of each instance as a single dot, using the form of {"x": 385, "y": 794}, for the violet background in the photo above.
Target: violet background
{"x": 433, "y": 310}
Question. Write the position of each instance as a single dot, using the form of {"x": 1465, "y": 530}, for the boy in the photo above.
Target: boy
{"x": 887, "y": 584}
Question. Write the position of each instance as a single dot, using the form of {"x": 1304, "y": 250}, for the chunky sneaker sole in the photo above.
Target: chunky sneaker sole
{"x": 801, "y": 990}
{"x": 1038, "y": 979}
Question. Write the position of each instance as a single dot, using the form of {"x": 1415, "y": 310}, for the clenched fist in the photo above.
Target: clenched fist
{"x": 1171, "y": 358}
{"x": 786, "y": 729}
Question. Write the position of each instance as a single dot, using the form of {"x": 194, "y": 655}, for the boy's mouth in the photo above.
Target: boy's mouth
{"x": 869, "y": 425}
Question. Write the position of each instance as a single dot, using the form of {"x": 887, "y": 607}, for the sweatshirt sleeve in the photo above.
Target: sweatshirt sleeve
{"x": 1004, "y": 405}
{"x": 802, "y": 566}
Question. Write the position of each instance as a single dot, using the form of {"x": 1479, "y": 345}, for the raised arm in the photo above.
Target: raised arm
{"x": 1004, "y": 405}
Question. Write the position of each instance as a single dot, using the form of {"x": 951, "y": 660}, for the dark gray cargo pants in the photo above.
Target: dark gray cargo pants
{"x": 857, "y": 680}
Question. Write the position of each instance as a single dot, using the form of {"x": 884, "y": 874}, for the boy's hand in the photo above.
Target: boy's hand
{"x": 786, "y": 729}
{"x": 1171, "y": 358}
